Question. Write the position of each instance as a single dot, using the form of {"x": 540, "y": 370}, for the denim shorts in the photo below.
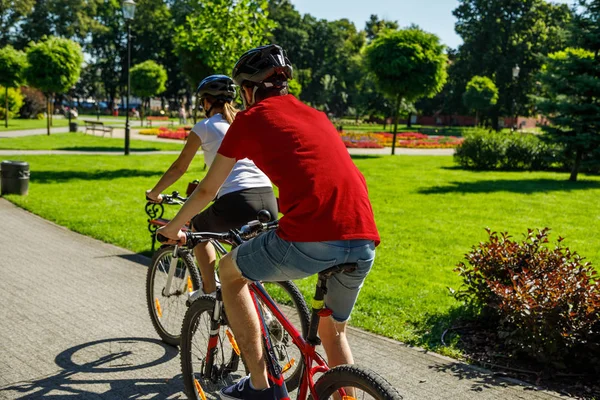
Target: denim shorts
{"x": 270, "y": 258}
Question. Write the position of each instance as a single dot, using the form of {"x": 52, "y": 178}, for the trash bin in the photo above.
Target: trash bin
{"x": 14, "y": 177}
{"x": 73, "y": 127}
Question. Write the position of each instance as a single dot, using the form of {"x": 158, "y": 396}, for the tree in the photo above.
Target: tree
{"x": 147, "y": 80}
{"x": 54, "y": 66}
{"x": 499, "y": 34}
{"x": 570, "y": 83}
{"x": 375, "y": 25}
{"x": 12, "y": 64}
{"x": 408, "y": 64}
{"x": 12, "y": 13}
{"x": 216, "y": 32}
{"x": 12, "y": 100}
{"x": 480, "y": 96}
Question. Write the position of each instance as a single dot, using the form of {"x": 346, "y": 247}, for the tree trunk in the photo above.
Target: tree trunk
{"x": 408, "y": 123}
{"x": 575, "y": 170}
{"x": 398, "y": 102}
{"x": 476, "y": 119}
{"x": 51, "y": 110}
{"x": 48, "y": 113}
{"x": 6, "y": 104}
{"x": 494, "y": 116}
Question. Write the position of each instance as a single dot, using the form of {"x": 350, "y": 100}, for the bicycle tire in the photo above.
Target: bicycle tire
{"x": 166, "y": 313}
{"x": 364, "y": 379}
{"x": 200, "y": 313}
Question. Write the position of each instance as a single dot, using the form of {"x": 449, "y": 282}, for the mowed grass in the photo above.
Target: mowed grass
{"x": 82, "y": 142}
{"x": 429, "y": 214}
{"x": 22, "y": 124}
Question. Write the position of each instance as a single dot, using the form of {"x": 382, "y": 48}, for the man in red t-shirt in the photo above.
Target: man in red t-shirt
{"x": 327, "y": 217}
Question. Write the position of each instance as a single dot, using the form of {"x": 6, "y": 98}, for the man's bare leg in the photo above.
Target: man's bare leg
{"x": 335, "y": 342}
{"x": 207, "y": 258}
{"x": 243, "y": 320}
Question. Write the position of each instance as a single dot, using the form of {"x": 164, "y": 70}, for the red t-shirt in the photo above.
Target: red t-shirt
{"x": 322, "y": 195}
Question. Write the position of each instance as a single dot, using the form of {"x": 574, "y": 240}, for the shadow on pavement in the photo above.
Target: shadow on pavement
{"x": 482, "y": 380}
{"x": 108, "y": 360}
{"x": 144, "y": 258}
{"x": 524, "y": 186}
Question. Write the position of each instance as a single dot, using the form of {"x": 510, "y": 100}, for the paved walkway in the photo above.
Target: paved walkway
{"x": 74, "y": 323}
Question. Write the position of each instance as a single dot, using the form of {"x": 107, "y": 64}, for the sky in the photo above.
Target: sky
{"x": 433, "y": 16}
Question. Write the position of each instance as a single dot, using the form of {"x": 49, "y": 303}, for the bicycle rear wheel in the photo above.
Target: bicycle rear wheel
{"x": 167, "y": 306}
{"x": 352, "y": 382}
{"x": 226, "y": 365}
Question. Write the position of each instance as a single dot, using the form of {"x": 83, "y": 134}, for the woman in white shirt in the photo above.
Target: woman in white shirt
{"x": 246, "y": 191}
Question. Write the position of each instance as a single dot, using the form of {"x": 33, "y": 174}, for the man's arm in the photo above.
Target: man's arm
{"x": 205, "y": 192}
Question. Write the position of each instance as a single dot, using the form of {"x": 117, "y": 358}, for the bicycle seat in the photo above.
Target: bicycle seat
{"x": 349, "y": 267}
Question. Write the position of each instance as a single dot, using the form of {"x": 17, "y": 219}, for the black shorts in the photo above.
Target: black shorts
{"x": 233, "y": 210}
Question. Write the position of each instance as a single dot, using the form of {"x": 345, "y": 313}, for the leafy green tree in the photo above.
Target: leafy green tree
{"x": 54, "y": 66}
{"x": 148, "y": 79}
{"x": 499, "y": 34}
{"x": 72, "y": 19}
{"x": 12, "y": 100}
{"x": 12, "y": 13}
{"x": 12, "y": 64}
{"x": 409, "y": 64}
{"x": 570, "y": 83}
{"x": 216, "y": 32}
{"x": 295, "y": 88}
{"x": 152, "y": 31}
{"x": 375, "y": 25}
{"x": 480, "y": 96}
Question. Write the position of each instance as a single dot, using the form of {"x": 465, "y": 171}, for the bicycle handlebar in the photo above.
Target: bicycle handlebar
{"x": 173, "y": 198}
{"x": 234, "y": 236}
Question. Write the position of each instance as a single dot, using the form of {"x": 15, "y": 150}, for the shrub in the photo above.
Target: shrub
{"x": 34, "y": 104}
{"x": 547, "y": 301}
{"x": 15, "y": 102}
{"x": 483, "y": 150}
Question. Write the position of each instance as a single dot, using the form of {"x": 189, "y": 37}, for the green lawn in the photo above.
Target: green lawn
{"x": 81, "y": 142}
{"x": 24, "y": 124}
{"x": 429, "y": 214}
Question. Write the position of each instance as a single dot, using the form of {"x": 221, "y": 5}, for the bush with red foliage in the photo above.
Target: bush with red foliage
{"x": 547, "y": 301}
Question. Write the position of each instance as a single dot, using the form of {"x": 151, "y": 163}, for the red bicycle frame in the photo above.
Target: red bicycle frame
{"x": 307, "y": 349}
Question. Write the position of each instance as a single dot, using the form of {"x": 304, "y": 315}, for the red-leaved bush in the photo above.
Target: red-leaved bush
{"x": 547, "y": 300}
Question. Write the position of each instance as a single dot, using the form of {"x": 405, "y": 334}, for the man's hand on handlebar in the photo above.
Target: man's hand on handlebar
{"x": 151, "y": 197}
{"x": 173, "y": 237}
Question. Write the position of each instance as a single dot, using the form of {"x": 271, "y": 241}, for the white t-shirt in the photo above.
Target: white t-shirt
{"x": 245, "y": 174}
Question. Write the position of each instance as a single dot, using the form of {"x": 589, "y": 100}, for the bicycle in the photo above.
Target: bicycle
{"x": 173, "y": 281}
{"x": 218, "y": 362}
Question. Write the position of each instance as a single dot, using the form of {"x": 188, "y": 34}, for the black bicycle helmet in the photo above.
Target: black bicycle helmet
{"x": 221, "y": 87}
{"x": 261, "y": 63}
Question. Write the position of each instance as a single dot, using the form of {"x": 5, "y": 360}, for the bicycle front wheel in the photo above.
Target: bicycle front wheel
{"x": 354, "y": 382}
{"x": 167, "y": 302}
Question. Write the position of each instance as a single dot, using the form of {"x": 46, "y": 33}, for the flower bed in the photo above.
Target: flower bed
{"x": 360, "y": 141}
{"x": 179, "y": 134}
{"x": 405, "y": 139}
{"x": 148, "y": 132}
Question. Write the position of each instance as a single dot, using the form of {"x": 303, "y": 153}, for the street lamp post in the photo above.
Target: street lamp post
{"x": 515, "y": 75}
{"x": 128, "y": 7}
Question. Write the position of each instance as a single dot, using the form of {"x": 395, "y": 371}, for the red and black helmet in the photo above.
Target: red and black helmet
{"x": 260, "y": 64}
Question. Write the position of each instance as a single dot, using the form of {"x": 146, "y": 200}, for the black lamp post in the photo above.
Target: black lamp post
{"x": 515, "y": 76}
{"x": 128, "y": 7}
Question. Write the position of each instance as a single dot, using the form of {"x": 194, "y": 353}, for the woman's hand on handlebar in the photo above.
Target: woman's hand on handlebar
{"x": 153, "y": 198}
{"x": 174, "y": 237}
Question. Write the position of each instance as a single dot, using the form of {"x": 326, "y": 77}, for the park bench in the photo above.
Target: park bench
{"x": 155, "y": 212}
{"x": 151, "y": 118}
{"x": 98, "y": 126}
